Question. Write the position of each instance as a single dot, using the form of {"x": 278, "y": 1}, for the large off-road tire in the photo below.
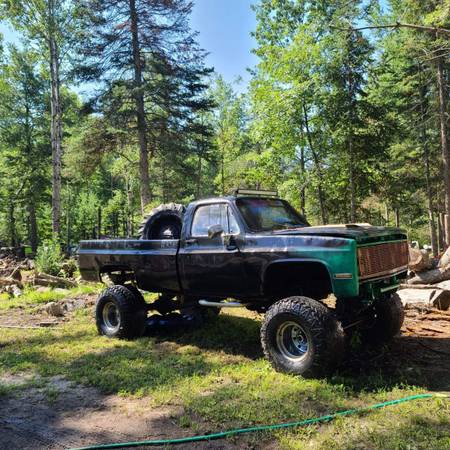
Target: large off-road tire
{"x": 137, "y": 295}
{"x": 120, "y": 313}
{"x": 302, "y": 336}
{"x": 163, "y": 222}
{"x": 388, "y": 319}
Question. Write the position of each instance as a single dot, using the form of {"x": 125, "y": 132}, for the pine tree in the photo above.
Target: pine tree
{"x": 137, "y": 49}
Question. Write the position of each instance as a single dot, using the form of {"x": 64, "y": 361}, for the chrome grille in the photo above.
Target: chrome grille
{"x": 380, "y": 259}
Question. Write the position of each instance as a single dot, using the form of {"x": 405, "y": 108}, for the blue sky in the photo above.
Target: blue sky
{"x": 224, "y": 27}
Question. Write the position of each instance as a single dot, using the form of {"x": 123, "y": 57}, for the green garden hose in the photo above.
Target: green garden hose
{"x": 225, "y": 434}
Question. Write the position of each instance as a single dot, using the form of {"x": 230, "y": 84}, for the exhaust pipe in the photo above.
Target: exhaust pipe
{"x": 221, "y": 304}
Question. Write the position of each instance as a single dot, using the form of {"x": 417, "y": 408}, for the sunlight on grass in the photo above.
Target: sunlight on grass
{"x": 219, "y": 377}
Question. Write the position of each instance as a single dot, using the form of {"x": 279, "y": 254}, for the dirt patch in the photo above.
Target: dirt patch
{"x": 38, "y": 316}
{"x": 420, "y": 355}
{"x": 63, "y": 415}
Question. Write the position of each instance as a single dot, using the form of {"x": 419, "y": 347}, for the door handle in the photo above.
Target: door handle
{"x": 191, "y": 241}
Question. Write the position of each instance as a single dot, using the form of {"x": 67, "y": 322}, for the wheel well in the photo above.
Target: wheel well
{"x": 308, "y": 278}
{"x": 118, "y": 274}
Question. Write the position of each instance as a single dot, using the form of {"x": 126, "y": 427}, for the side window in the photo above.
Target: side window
{"x": 233, "y": 227}
{"x": 207, "y": 216}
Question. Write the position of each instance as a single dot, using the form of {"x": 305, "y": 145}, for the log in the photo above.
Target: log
{"x": 437, "y": 298}
{"x": 412, "y": 296}
{"x": 441, "y": 300}
{"x": 419, "y": 260}
{"x": 44, "y": 279}
{"x": 431, "y": 276}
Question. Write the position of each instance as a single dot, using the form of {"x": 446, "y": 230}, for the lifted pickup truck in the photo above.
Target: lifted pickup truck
{"x": 257, "y": 250}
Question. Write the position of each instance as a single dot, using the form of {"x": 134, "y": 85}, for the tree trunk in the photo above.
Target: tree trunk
{"x": 397, "y": 217}
{"x": 12, "y": 224}
{"x": 68, "y": 230}
{"x": 99, "y": 222}
{"x": 33, "y": 225}
{"x": 199, "y": 174}
{"x": 442, "y": 231}
{"x": 444, "y": 143}
{"x": 129, "y": 208}
{"x": 352, "y": 180}
{"x": 351, "y": 149}
{"x": 55, "y": 133}
{"x": 303, "y": 190}
{"x": 426, "y": 157}
{"x": 222, "y": 170}
{"x": 318, "y": 168}
{"x": 140, "y": 109}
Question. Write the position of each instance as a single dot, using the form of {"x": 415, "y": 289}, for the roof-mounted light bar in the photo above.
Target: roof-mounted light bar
{"x": 255, "y": 193}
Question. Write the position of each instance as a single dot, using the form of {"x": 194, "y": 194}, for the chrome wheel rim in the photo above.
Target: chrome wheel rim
{"x": 111, "y": 317}
{"x": 292, "y": 341}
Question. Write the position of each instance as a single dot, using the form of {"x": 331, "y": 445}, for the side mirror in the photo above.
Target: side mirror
{"x": 214, "y": 231}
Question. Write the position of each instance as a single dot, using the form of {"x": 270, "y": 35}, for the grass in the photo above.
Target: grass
{"x": 220, "y": 378}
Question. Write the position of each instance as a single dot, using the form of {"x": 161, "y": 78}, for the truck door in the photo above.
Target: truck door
{"x": 211, "y": 267}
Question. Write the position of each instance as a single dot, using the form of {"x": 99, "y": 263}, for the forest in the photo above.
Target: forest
{"x": 108, "y": 108}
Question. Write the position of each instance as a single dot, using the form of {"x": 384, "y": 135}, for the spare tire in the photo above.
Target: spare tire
{"x": 163, "y": 222}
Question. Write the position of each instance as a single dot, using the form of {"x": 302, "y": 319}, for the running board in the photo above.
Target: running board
{"x": 221, "y": 304}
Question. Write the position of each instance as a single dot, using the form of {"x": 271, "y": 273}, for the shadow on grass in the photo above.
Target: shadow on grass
{"x": 229, "y": 334}
{"x": 166, "y": 360}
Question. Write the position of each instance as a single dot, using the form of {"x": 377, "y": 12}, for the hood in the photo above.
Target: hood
{"x": 362, "y": 233}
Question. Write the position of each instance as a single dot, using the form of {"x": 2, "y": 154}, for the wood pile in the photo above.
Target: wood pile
{"x": 12, "y": 279}
{"x": 429, "y": 281}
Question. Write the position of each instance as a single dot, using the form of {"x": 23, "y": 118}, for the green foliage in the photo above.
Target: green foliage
{"x": 49, "y": 258}
{"x": 341, "y": 123}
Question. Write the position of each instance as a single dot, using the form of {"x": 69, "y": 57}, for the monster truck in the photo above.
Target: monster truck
{"x": 252, "y": 249}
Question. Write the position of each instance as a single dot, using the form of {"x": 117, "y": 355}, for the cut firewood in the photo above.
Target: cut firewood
{"x": 43, "y": 279}
{"x": 431, "y": 276}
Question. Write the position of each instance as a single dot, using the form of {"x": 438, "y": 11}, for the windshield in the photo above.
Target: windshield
{"x": 268, "y": 214}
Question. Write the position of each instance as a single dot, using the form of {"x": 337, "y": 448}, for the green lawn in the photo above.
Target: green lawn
{"x": 218, "y": 374}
